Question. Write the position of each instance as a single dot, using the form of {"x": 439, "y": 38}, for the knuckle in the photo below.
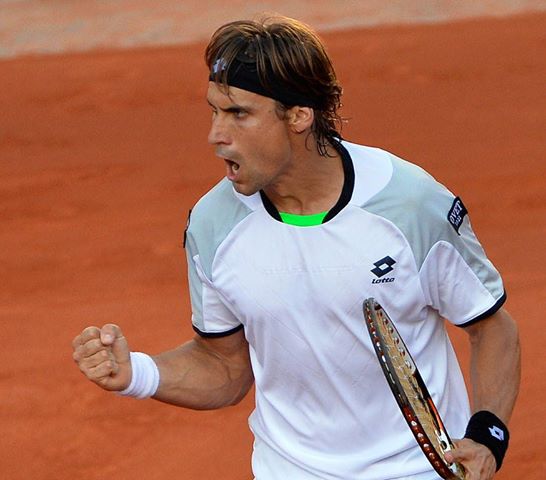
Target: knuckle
{"x": 77, "y": 341}
{"x": 89, "y": 333}
{"x": 102, "y": 371}
{"x": 110, "y": 327}
{"x": 93, "y": 373}
{"x": 91, "y": 347}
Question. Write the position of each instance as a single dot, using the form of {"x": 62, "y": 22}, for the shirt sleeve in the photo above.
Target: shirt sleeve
{"x": 457, "y": 277}
{"x": 211, "y": 316}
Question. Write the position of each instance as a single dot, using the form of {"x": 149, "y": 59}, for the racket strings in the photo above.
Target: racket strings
{"x": 406, "y": 377}
{"x": 410, "y": 391}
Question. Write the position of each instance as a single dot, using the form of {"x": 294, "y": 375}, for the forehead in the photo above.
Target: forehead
{"x": 218, "y": 95}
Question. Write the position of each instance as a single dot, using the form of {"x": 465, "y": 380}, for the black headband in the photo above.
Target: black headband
{"x": 244, "y": 75}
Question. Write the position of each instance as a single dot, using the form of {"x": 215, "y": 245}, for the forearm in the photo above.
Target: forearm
{"x": 495, "y": 376}
{"x": 198, "y": 377}
{"x": 495, "y": 365}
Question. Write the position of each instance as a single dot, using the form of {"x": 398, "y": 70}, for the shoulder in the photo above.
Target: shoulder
{"x": 219, "y": 207}
{"x": 419, "y": 191}
{"x": 209, "y": 203}
{"x": 405, "y": 195}
{"x": 385, "y": 181}
{"x": 212, "y": 219}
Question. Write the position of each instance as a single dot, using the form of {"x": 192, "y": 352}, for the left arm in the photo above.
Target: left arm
{"x": 495, "y": 377}
{"x": 495, "y": 364}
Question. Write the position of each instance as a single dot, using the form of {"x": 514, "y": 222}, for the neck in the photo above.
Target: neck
{"x": 312, "y": 185}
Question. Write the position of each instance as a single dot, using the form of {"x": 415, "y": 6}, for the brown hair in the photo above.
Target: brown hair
{"x": 287, "y": 55}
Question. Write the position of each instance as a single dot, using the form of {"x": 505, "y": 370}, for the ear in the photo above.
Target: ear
{"x": 300, "y": 118}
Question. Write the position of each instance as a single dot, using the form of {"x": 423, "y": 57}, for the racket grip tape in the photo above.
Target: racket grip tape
{"x": 486, "y": 428}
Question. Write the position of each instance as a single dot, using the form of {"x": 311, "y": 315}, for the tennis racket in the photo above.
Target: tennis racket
{"x": 410, "y": 391}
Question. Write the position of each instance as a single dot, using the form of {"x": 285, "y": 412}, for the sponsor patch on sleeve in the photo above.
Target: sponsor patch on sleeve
{"x": 456, "y": 214}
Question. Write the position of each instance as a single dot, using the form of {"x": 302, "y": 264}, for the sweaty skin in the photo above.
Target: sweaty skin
{"x": 495, "y": 368}
{"x": 264, "y": 150}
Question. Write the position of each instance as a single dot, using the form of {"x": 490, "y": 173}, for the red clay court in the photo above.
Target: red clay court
{"x": 103, "y": 151}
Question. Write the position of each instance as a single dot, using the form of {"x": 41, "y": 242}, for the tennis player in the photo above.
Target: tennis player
{"x": 281, "y": 254}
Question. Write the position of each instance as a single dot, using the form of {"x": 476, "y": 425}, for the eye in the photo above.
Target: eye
{"x": 240, "y": 113}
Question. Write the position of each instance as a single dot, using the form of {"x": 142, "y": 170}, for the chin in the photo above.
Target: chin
{"x": 246, "y": 190}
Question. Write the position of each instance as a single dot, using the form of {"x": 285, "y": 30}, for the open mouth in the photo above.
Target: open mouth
{"x": 232, "y": 168}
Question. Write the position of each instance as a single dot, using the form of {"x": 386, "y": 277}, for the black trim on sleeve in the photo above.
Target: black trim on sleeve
{"x": 488, "y": 313}
{"x": 186, "y": 229}
{"x": 218, "y": 334}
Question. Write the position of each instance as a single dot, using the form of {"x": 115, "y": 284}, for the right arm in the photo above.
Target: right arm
{"x": 204, "y": 373}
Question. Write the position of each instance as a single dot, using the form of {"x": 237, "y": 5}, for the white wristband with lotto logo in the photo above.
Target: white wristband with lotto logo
{"x": 145, "y": 379}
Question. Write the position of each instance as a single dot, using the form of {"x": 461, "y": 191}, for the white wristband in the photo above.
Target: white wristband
{"x": 145, "y": 379}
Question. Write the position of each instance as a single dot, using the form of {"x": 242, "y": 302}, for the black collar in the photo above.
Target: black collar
{"x": 346, "y": 191}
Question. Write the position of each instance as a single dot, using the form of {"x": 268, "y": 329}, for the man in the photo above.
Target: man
{"x": 281, "y": 255}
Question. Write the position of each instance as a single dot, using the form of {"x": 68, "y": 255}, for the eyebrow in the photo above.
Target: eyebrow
{"x": 231, "y": 109}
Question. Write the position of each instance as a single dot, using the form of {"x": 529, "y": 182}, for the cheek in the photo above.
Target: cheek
{"x": 264, "y": 144}
{"x": 274, "y": 142}
{"x": 273, "y": 157}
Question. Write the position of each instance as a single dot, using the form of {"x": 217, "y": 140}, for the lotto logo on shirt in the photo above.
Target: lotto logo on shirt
{"x": 382, "y": 267}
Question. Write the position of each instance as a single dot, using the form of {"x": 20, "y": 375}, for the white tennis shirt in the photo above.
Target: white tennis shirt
{"x": 323, "y": 407}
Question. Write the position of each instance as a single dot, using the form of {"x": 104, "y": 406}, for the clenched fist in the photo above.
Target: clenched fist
{"x": 102, "y": 355}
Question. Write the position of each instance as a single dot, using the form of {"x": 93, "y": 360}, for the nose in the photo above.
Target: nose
{"x": 218, "y": 132}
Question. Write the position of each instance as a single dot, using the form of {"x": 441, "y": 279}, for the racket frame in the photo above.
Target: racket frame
{"x": 373, "y": 314}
